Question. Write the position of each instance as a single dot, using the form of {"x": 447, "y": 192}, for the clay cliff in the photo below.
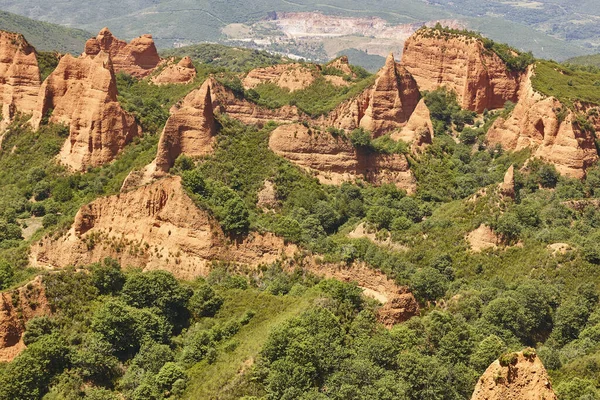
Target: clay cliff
{"x": 287, "y": 76}
{"x": 138, "y": 57}
{"x": 521, "y": 378}
{"x": 19, "y": 76}
{"x": 16, "y": 308}
{"x": 550, "y": 129}
{"x": 190, "y": 130}
{"x": 479, "y": 77}
{"x": 418, "y": 131}
{"x": 334, "y": 160}
{"x": 154, "y": 227}
{"x": 181, "y": 73}
{"x": 82, "y": 93}
{"x": 393, "y": 99}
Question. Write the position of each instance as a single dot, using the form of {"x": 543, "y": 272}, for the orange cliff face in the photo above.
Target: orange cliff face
{"x": 393, "y": 99}
{"x": 156, "y": 226}
{"x": 479, "y": 77}
{"x": 82, "y": 93}
{"x": 190, "y": 130}
{"x": 524, "y": 378}
{"x": 334, "y": 160}
{"x": 138, "y": 57}
{"x": 549, "y": 129}
{"x": 19, "y": 76}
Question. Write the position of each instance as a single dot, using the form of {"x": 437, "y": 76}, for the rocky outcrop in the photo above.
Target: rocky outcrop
{"x": 334, "y": 160}
{"x": 549, "y": 128}
{"x": 343, "y": 65}
{"x": 287, "y": 76}
{"x": 82, "y": 93}
{"x": 483, "y": 238}
{"x": 399, "y": 304}
{"x": 225, "y": 101}
{"x": 267, "y": 197}
{"x": 154, "y": 227}
{"x": 181, "y": 73}
{"x": 16, "y": 308}
{"x": 393, "y": 99}
{"x": 520, "y": 376}
{"x": 190, "y": 130}
{"x": 138, "y": 57}
{"x": 507, "y": 187}
{"x": 418, "y": 132}
{"x": 19, "y": 77}
{"x": 479, "y": 77}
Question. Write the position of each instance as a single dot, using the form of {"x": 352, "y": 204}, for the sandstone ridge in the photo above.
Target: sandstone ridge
{"x": 334, "y": 160}
{"x": 190, "y": 130}
{"x": 16, "y": 308}
{"x": 138, "y": 57}
{"x": 169, "y": 233}
{"x": 181, "y": 73}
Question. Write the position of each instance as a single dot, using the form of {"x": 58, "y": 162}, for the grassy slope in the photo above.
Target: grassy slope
{"x": 566, "y": 84}
{"x": 218, "y": 380}
{"x": 45, "y": 36}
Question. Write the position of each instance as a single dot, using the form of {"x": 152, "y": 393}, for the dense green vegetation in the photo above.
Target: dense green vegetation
{"x": 44, "y": 36}
{"x": 318, "y": 99}
{"x": 592, "y": 60}
{"x": 567, "y": 83}
{"x": 232, "y": 58}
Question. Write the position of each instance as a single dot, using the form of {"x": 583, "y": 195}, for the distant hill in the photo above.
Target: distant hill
{"x": 545, "y": 27}
{"x": 232, "y": 58}
{"x": 370, "y": 62}
{"x": 591, "y": 60}
{"x": 45, "y": 36}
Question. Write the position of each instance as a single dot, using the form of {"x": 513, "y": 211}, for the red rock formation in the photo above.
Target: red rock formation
{"x": 287, "y": 76}
{"x": 335, "y": 160}
{"x": 418, "y": 132}
{"x": 342, "y": 64}
{"x": 482, "y": 238}
{"x": 181, "y": 73}
{"x": 549, "y": 129}
{"x": 507, "y": 188}
{"x": 394, "y": 97}
{"x": 190, "y": 129}
{"x": 82, "y": 92}
{"x": 479, "y": 77}
{"x": 138, "y": 58}
{"x": 16, "y": 308}
{"x": 19, "y": 76}
{"x": 524, "y": 379}
{"x": 154, "y": 227}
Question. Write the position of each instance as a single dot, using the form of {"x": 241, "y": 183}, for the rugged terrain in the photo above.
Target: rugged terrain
{"x": 296, "y": 230}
